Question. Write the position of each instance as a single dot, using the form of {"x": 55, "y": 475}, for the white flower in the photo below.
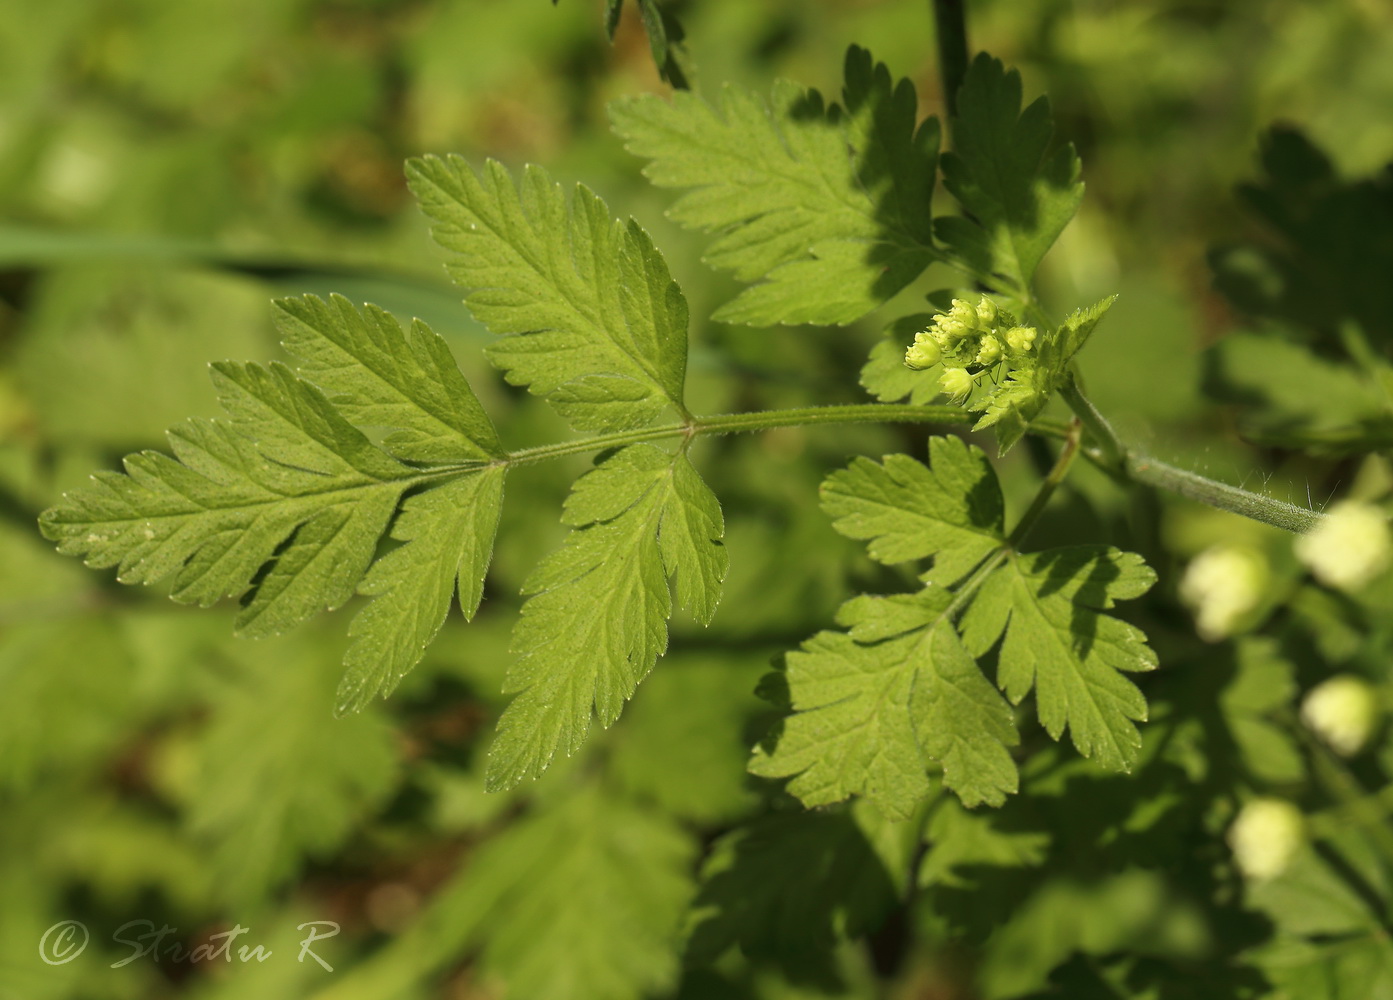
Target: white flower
{"x": 1343, "y": 712}
{"x": 1265, "y": 837}
{"x": 1349, "y": 547}
{"x": 1222, "y": 585}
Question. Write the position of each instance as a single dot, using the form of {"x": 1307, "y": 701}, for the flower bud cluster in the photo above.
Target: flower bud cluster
{"x": 967, "y": 340}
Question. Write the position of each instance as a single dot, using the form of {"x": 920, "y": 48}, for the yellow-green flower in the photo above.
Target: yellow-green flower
{"x": 956, "y": 384}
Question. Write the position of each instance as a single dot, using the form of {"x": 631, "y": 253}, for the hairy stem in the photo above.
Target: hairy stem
{"x": 732, "y": 423}
{"x": 1094, "y": 422}
{"x": 1142, "y": 468}
{"x": 1107, "y": 449}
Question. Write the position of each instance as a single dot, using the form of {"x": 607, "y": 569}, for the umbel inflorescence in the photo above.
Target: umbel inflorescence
{"x": 969, "y": 340}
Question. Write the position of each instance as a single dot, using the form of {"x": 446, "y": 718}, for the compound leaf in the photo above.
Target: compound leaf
{"x": 826, "y": 206}
{"x": 596, "y": 617}
{"x": 284, "y": 506}
{"x": 378, "y": 375}
{"x": 588, "y": 314}
{"x": 878, "y": 705}
{"x": 1049, "y": 606}
{"x": 288, "y": 480}
{"x": 951, "y": 509}
{"x": 1016, "y": 200}
{"x": 449, "y": 532}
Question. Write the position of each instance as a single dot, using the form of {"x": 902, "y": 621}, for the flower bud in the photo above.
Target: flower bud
{"x": 1222, "y": 585}
{"x": 1342, "y": 711}
{"x": 1020, "y": 339}
{"x": 990, "y": 352}
{"x": 1349, "y": 547}
{"x": 924, "y": 352}
{"x": 956, "y": 384}
{"x": 1265, "y": 837}
{"x": 951, "y": 331}
{"x": 986, "y": 313}
{"x": 964, "y": 312}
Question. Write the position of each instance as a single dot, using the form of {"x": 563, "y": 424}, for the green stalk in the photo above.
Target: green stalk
{"x": 1142, "y": 468}
{"x": 1095, "y": 423}
{"x": 1047, "y": 488}
{"x": 733, "y": 423}
{"x": 1106, "y": 448}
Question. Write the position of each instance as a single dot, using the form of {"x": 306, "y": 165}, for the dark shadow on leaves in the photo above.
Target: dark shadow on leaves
{"x": 1064, "y": 566}
{"x": 786, "y": 887}
{"x": 1324, "y": 251}
{"x": 896, "y": 165}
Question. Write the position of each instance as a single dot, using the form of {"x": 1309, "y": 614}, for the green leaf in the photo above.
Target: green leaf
{"x": 1048, "y": 605}
{"x": 1061, "y": 345}
{"x": 276, "y": 781}
{"x": 1016, "y": 201}
{"x": 377, "y": 375}
{"x": 878, "y": 705}
{"x": 1263, "y": 687}
{"x": 886, "y": 377}
{"x": 449, "y": 531}
{"x": 588, "y": 314}
{"x": 1012, "y": 405}
{"x": 961, "y": 841}
{"x": 596, "y": 617}
{"x": 284, "y": 506}
{"x": 1324, "y": 255}
{"x": 597, "y": 917}
{"x": 289, "y": 482}
{"x": 67, "y": 696}
{"x": 682, "y": 745}
{"x": 951, "y": 509}
{"x": 828, "y": 207}
{"x": 788, "y": 887}
{"x": 1328, "y": 907}
{"x": 1289, "y": 395}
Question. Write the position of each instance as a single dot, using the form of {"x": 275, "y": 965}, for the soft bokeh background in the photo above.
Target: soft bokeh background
{"x": 168, "y": 167}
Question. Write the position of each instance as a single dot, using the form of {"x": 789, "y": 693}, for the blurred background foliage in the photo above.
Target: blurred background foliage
{"x": 167, "y": 167}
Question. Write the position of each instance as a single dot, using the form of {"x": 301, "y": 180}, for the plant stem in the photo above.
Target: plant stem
{"x": 1096, "y": 424}
{"x": 1113, "y": 455}
{"x": 1047, "y": 488}
{"x": 1142, "y": 468}
{"x": 952, "y": 50}
{"x": 732, "y": 423}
